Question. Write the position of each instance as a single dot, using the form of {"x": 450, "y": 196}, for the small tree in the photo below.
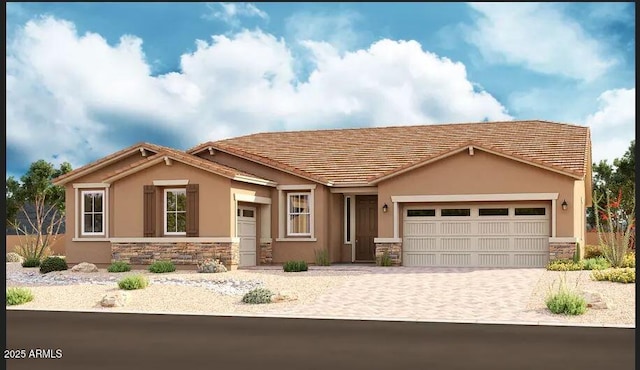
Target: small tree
{"x": 615, "y": 235}
{"x": 42, "y": 205}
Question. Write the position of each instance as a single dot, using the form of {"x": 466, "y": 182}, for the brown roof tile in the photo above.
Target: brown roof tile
{"x": 359, "y": 155}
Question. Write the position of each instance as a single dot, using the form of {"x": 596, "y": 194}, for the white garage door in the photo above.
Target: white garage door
{"x": 509, "y": 235}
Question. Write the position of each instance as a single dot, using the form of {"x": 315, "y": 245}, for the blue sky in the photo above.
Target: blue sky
{"x": 87, "y": 79}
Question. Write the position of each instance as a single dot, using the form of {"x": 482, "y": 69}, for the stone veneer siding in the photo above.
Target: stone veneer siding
{"x": 558, "y": 251}
{"x": 183, "y": 253}
{"x": 266, "y": 253}
{"x": 394, "y": 250}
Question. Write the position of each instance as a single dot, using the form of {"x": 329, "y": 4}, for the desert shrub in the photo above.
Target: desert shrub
{"x": 616, "y": 275}
{"x": 295, "y": 266}
{"x": 596, "y": 263}
{"x": 119, "y": 266}
{"x": 629, "y": 260}
{"x": 565, "y": 301}
{"x": 160, "y": 267}
{"x": 53, "y": 264}
{"x": 258, "y": 296}
{"x": 17, "y": 296}
{"x": 322, "y": 257}
{"x": 592, "y": 251}
{"x": 211, "y": 266}
{"x": 384, "y": 260}
{"x": 133, "y": 282}
{"x": 31, "y": 262}
{"x": 14, "y": 257}
{"x": 564, "y": 265}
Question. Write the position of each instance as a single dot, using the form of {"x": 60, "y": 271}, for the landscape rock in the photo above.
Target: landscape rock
{"x": 596, "y": 301}
{"x": 114, "y": 299}
{"x": 84, "y": 267}
{"x": 284, "y": 296}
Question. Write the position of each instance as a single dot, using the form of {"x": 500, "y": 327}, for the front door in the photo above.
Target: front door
{"x": 366, "y": 226}
{"x": 247, "y": 235}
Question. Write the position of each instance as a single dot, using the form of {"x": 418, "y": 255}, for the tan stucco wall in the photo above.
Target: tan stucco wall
{"x": 579, "y": 209}
{"x": 127, "y": 197}
{"x": 99, "y": 174}
{"x": 57, "y": 247}
{"x": 482, "y": 173}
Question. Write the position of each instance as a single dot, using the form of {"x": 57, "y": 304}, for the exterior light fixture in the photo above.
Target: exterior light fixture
{"x": 564, "y": 205}
{"x": 385, "y": 208}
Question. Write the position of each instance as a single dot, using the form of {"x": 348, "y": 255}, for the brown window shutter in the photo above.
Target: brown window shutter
{"x": 192, "y": 210}
{"x": 149, "y": 212}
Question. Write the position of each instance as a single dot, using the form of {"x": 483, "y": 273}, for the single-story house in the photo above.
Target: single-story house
{"x": 490, "y": 194}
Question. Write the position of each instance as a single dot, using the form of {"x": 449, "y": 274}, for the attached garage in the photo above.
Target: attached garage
{"x": 476, "y": 234}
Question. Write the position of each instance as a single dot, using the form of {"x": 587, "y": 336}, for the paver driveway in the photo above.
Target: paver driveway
{"x": 466, "y": 294}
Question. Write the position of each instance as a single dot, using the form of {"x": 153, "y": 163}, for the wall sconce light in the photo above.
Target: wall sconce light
{"x": 385, "y": 208}
{"x": 564, "y": 205}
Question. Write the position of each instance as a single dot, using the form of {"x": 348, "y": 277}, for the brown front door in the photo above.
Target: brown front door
{"x": 366, "y": 226}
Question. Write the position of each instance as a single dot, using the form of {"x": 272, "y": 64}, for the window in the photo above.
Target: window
{"x": 530, "y": 211}
{"x": 247, "y": 213}
{"x": 93, "y": 212}
{"x": 175, "y": 211}
{"x": 298, "y": 214}
{"x": 347, "y": 220}
{"x": 455, "y": 212}
{"x": 493, "y": 211}
{"x": 421, "y": 213}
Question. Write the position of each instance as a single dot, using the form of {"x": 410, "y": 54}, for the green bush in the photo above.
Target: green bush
{"x": 160, "y": 267}
{"x": 596, "y": 263}
{"x": 616, "y": 275}
{"x": 119, "y": 266}
{"x": 14, "y": 257}
{"x": 31, "y": 262}
{"x": 564, "y": 265}
{"x": 295, "y": 266}
{"x": 53, "y": 264}
{"x": 592, "y": 251}
{"x": 384, "y": 260}
{"x": 629, "y": 260}
{"x": 564, "y": 300}
{"x": 577, "y": 254}
{"x": 17, "y": 296}
{"x": 568, "y": 303}
{"x": 322, "y": 257}
{"x": 258, "y": 296}
{"x": 133, "y": 282}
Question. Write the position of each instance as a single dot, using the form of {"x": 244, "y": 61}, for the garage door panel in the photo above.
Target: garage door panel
{"x": 415, "y": 244}
{"x": 455, "y": 228}
{"x": 481, "y": 239}
{"x": 455, "y": 259}
{"x": 530, "y": 260}
{"x": 494, "y": 244}
{"x": 493, "y": 228}
{"x": 455, "y": 244}
{"x": 502, "y": 260}
{"x": 531, "y": 227}
{"x": 417, "y": 228}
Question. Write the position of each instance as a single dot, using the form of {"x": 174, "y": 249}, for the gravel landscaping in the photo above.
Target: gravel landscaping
{"x": 350, "y": 291}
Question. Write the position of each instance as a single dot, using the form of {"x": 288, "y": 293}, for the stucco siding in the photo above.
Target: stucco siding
{"x": 482, "y": 173}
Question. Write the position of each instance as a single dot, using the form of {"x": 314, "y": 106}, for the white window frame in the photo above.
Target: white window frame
{"x": 82, "y": 213}
{"x": 288, "y": 212}
{"x": 164, "y": 210}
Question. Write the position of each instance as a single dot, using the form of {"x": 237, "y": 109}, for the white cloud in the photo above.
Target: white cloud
{"x": 230, "y": 12}
{"x": 337, "y": 29}
{"x": 68, "y": 92}
{"x": 613, "y": 125}
{"x": 539, "y": 37}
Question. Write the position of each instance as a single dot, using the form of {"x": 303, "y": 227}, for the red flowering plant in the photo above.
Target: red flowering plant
{"x": 615, "y": 235}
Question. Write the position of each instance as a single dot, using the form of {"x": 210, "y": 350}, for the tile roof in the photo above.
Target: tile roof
{"x": 344, "y": 156}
